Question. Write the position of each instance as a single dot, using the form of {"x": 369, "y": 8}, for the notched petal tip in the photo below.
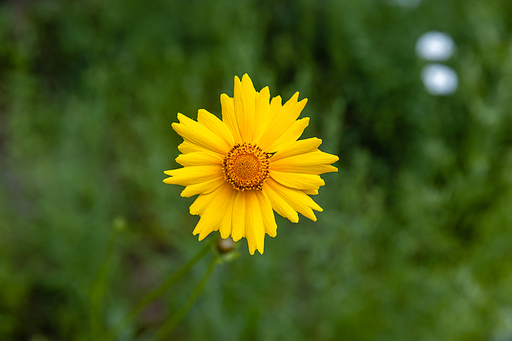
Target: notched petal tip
{"x": 181, "y": 117}
{"x": 252, "y": 249}
{"x": 295, "y": 98}
{"x": 265, "y": 90}
{"x": 201, "y": 112}
{"x": 224, "y": 234}
{"x": 246, "y": 78}
{"x": 278, "y": 100}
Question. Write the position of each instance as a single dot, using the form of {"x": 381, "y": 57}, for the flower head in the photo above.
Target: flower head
{"x": 249, "y": 164}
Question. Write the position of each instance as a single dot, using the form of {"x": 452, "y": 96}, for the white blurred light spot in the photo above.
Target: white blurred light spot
{"x": 435, "y": 45}
{"x": 439, "y": 79}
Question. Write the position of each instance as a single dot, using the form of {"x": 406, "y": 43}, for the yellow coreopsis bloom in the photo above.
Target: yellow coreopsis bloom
{"x": 249, "y": 164}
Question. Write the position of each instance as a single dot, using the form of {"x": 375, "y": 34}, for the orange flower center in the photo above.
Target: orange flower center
{"x": 246, "y": 166}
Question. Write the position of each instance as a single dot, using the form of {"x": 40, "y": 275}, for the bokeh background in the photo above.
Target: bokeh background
{"x": 415, "y": 241}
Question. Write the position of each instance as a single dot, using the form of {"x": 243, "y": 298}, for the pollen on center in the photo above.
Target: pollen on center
{"x": 246, "y": 167}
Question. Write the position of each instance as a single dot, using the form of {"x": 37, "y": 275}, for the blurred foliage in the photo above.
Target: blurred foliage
{"x": 415, "y": 241}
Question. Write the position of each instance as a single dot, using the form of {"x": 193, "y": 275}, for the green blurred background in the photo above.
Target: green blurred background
{"x": 415, "y": 241}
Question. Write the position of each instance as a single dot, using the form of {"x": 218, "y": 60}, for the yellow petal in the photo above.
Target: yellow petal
{"x": 269, "y": 220}
{"x": 198, "y": 134}
{"x": 213, "y": 123}
{"x": 262, "y": 113}
{"x": 312, "y": 192}
{"x": 187, "y": 176}
{"x": 189, "y": 147}
{"x": 226, "y": 222}
{"x": 206, "y": 225}
{"x": 214, "y": 212}
{"x": 316, "y": 162}
{"x": 297, "y": 148}
{"x": 281, "y": 121}
{"x": 290, "y": 135}
{"x": 275, "y": 107}
{"x": 279, "y": 204}
{"x": 254, "y": 230}
{"x": 297, "y": 199}
{"x": 228, "y": 116}
{"x": 244, "y": 100}
{"x": 239, "y": 212}
{"x": 305, "y": 182}
{"x": 203, "y": 187}
{"x": 202, "y": 201}
{"x": 200, "y": 159}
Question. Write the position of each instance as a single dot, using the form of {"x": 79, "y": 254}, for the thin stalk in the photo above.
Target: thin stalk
{"x": 159, "y": 291}
{"x": 171, "y": 322}
{"x": 99, "y": 285}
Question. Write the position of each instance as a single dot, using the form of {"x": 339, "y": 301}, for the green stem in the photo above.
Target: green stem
{"x": 153, "y": 295}
{"x": 171, "y": 322}
{"x": 99, "y": 285}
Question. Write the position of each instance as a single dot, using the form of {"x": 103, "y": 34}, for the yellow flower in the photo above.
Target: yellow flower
{"x": 249, "y": 164}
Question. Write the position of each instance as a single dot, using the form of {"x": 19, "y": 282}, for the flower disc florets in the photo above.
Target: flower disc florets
{"x": 246, "y": 166}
